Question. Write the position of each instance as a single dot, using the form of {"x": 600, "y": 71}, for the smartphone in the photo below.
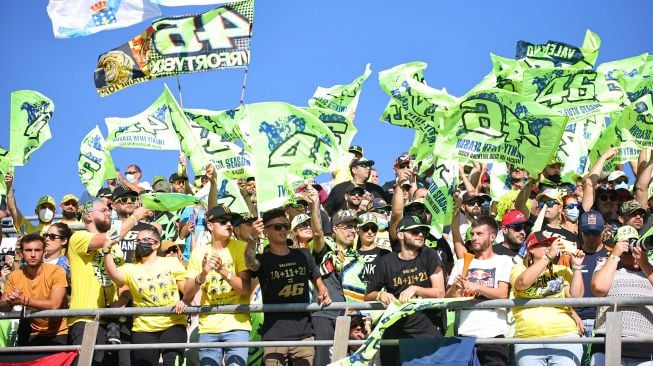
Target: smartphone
{"x": 192, "y": 218}
{"x": 114, "y": 234}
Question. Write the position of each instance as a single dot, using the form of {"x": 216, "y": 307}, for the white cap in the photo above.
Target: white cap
{"x": 297, "y": 220}
{"x": 616, "y": 175}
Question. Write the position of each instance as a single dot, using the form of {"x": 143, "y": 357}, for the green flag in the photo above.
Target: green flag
{"x": 415, "y": 105}
{"x": 625, "y": 68}
{"x": 637, "y": 118}
{"x": 230, "y": 196}
{"x": 439, "y": 200}
{"x": 221, "y": 123}
{"x": 30, "y": 114}
{"x": 559, "y": 54}
{"x": 613, "y": 136}
{"x": 341, "y": 98}
{"x": 341, "y": 127}
{"x": 506, "y": 74}
{"x": 150, "y": 129}
{"x": 288, "y": 144}
{"x": 94, "y": 162}
{"x": 497, "y": 125}
{"x": 169, "y": 201}
{"x": 5, "y": 166}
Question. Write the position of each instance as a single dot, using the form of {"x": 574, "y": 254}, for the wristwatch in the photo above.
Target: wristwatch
{"x": 106, "y": 250}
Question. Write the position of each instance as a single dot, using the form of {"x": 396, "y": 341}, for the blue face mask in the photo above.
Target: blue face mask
{"x": 383, "y": 223}
{"x": 130, "y": 178}
{"x": 572, "y": 214}
{"x": 622, "y": 185}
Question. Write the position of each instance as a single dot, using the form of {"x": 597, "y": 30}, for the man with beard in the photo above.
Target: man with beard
{"x": 91, "y": 287}
{"x": 515, "y": 227}
{"x": 415, "y": 271}
{"x": 353, "y": 199}
{"x": 488, "y": 277}
{"x": 44, "y": 210}
{"x": 553, "y": 179}
{"x": 360, "y": 174}
{"x": 129, "y": 222}
{"x": 631, "y": 213}
{"x": 517, "y": 177}
{"x": 69, "y": 210}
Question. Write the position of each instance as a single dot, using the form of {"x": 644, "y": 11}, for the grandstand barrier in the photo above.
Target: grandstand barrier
{"x": 612, "y": 339}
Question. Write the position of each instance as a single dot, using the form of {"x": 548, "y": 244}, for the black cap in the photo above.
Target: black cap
{"x": 175, "y": 176}
{"x": 361, "y": 161}
{"x": 356, "y": 149}
{"x": 356, "y": 188}
{"x": 104, "y": 192}
{"x": 218, "y": 212}
{"x": 121, "y": 191}
{"x": 413, "y": 222}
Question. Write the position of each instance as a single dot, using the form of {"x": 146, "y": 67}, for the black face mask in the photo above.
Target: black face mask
{"x": 69, "y": 215}
{"x": 555, "y": 178}
{"x": 143, "y": 250}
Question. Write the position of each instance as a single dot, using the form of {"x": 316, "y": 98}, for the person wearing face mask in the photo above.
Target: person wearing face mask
{"x": 44, "y": 210}
{"x": 153, "y": 281}
{"x": 570, "y": 213}
{"x": 618, "y": 180}
{"x": 381, "y": 209}
{"x": 552, "y": 178}
{"x": 132, "y": 179}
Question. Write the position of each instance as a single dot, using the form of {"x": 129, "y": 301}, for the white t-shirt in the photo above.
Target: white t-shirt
{"x": 484, "y": 323}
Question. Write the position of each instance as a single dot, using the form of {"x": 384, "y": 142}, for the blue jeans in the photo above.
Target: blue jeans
{"x": 233, "y": 356}
{"x": 589, "y": 332}
{"x": 565, "y": 354}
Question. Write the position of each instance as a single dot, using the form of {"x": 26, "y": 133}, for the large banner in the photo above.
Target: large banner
{"x": 613, "y": 136}
{"x": 94, "y": 163}
{"x": 76, "y": 18}
{"x": 497, "y": 125}
{"x": 559, "y": 54}
{"x": 31, "y": 112}
{"x": 439, "y": 200}
{"x": 341, "y": 98}
{"x": 222, "y": 123}
{"x": 217, "y": 39}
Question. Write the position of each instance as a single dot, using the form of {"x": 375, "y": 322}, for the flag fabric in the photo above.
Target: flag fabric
{"x": 636, "y": 120}
{"x": 230, "y": 196}
{"x": 189, "y": 2}
{"x": 559, "y": 54}
{"x": 506, "y": 74}
{"x": 169, "y": 201}
{"x": 76, "y": 18}
{"x": 613, "y": 136}
{"x": 150, "y": 129}
{"x": 439, "y": 200}
{"x": 5, "y": 166}
{"x": 288, "y": 145}
{"x": 415, "y": 105}
{"x": 217, "y": 39}
{"x": 95, "y": 163}
{"x": 497, "y": 125}
{"x": 222, "y": 123}
{"x": 31, "y": 112}
{"x": 342, "y": 127}
{"x": 341, "y": 98}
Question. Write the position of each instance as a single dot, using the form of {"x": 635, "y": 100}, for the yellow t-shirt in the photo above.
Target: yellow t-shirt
{"x": 26, "y": 227}
{"x": 90, "y": 287}
{"x": 543, "y": 321}
{"x": 217, "y": 290}
{"x": 155, "y": 285}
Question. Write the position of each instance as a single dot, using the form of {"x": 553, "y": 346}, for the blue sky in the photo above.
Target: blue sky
{"x": 296, "y": 46}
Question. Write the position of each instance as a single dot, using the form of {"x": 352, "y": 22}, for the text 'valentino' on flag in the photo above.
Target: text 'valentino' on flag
{"x": 76, "y": 18}
{"x": 217, "y": 39}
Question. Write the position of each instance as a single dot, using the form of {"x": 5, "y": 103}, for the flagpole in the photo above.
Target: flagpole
{"x": 181, "y": 101}
{"x": 242, "y": 94}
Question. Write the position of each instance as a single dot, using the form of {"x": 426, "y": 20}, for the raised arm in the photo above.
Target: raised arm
{"x": 313, "y": 199}
{"x": 212, "y": 175}
{"x": 456, "y": 236}
{"x": 592, "y": 178}
{"x": 643, "y": 178}
{"x": 12, "y": 207}
{"x": 112, "y": 270}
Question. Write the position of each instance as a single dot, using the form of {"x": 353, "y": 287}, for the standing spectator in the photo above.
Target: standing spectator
{"x": 284, "y": 274}
{"x": 360, "y": 174}
{"x": 515, "y": 228}
{"x": 627, "y": 272}
{"x": 537, "y": 277}
{"x": 631, "y": 213}
{"x": 132, "y": 179}
{"x": 374, "y": 176}
{"x": 91, "y": 287}
{"x": 38, "y": 286}
{"x": 153, "y": 281}
{"x": 414, "y": 271}
{"x": 369, "y": 252}
{"x": 488, "y": 277}
{"x": 69, "y": 206}
{"x": 56, "y": 242}
{"x": 44, "y": 210}
{"x": 125, "y": 203}
{"x": 570, "y": 213}
{"x": 381, "y": 210}
{"x": 551, "y": 201}
{"x": 551, "y": 178}
{"x": 219, "y": 270}
{"x": 402, "y": 164}
{"x": 618, "y": 180}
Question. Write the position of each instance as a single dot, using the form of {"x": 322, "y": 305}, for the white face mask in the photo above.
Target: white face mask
{"x": 572, "y": 214}
{"x": 46, "y": 215}
{"x": 383, "y": 223}
{"x": 130, "y": 178}
{"x": 623, "y": 185}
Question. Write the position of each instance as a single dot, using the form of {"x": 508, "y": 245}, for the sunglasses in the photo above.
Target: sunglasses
{"x": 151, "y": 241}
{"x": 592, "y": 233}
{"x": 279, "y": 226}
{"x": 403, "y": 165}
{"x": 179, "y": 182}
{"x": 606, "y": 197}
{"x": 416, "y": 232}
{"x": 366, "y": 228}
{"x": 549, "y": 203}
{"x": 518, "y": 227}
{"x": 131, "y": 172}
{"x": 172, "y": 250}
{"x": 126, "y": 200}
{"x": 357, "y": 194}
{"x": 475, "y": 203}
{"x": 222, "y": 221}
{"x": 52, "y": 236}
{"x": 303, "y": 225}
{"x": 571, "y": 206}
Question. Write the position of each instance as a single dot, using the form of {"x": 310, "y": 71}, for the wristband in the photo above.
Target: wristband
{"x": 578, "y": 268}
{"x": 378, "y": 295}
{"x": 615, "y": 257}
{"x": 198, "y": 282}
{"x": 106, "y": 250}
{"x": 546, "y": 255}
{"x": 229, "y": 275}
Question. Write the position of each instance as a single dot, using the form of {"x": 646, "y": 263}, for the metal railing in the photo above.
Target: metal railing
{"x": 612, "y": 339}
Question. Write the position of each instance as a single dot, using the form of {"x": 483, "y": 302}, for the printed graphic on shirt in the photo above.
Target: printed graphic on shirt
{"x": 483, "y": 276}
{"x": 546, "y": 285}
{"x": 97, "y": 262}
{"x": 218, "y": 290}
{"x": 157, "y": 289}
{"x": 410, "y": 276}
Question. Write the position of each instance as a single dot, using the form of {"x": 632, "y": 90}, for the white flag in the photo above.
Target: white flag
{"x": 190, "y": 2}
{"x": 77, "y": 18}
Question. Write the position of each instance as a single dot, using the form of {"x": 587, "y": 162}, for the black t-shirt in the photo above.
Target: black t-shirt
{"x": 590, "y": 262}
{"x": 128, "y": 243}
{"x": 396, "y": 275}
{"x": 501, "y": 250}
{"x": 336, "y": 200}
{"x": 371, "y": 259}
{"x": 285, "y": 280}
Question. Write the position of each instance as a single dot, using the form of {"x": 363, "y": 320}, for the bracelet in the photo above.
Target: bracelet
{"x": 546, "y": 255}
{"x": 106, "y": 250}
{"x": 229, "y": 275}
{"x": 378, "y": 295}
{"x": 578, "y": 268}
{"x": 198, "y": 282}
{"x": 615, "y": 257}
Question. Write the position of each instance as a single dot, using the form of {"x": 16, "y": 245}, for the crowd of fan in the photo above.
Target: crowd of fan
{"x": 347, "y": 240}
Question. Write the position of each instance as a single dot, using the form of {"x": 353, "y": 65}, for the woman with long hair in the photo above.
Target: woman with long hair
{"x": 153, "y": 281}
{"x": 570, "y": 213}
{"x": 537, "y": 277}
{"x": 56, "y": 242}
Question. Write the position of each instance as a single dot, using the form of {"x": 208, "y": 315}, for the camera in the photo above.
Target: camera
{"x": 644, "y": 244}
{"x": 113, "y": 333}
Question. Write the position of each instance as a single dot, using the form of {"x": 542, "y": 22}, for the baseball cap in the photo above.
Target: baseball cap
{"x": 161, "y": 185}
{"x": 167, "y": 244}
{"x": 378, "y": 203}
{"x": 367, "y": 218}
{"x": 361, "y": 161}
{"x": 626, "y": 232}
{"x": 550, "y": 193}
{"x": 175, "y": 177}
{"x": 70, "y": 197}
{"x": 104, "y": 192}
{"x": 468, "y": 197}
{"x": 630, "y": 207}
{"x": 298, "y": 220}
{"x": 218, "y": 212}
{"x": 538, "y": 237}
{"x": 513, "y": 217}
{"x": 591, "y": 221}
{"x": 415, "y": 202}
{"x": 356, "y": 189}
{"x": 122, "y": 191}
{"x": 401, "y": 159}
{"x": 414, "y": 222}
{"x": 616, "y": 175}
{"x": 46, "y": 199}
{"x": 356, "y": 149}
{"x": 343, "y": 216}
{"x": 242, "y": 218}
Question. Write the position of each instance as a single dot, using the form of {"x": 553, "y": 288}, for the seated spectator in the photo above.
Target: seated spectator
{"x": 360, "y": 174}
{"x": 537, "y": 277}
{"x": 37, "y": 286}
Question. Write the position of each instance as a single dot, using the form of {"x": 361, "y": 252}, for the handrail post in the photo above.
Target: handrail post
{"x": 341, "y": 338}
{"x": 89, "y": 337}
{"x": 613, "y": 338}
